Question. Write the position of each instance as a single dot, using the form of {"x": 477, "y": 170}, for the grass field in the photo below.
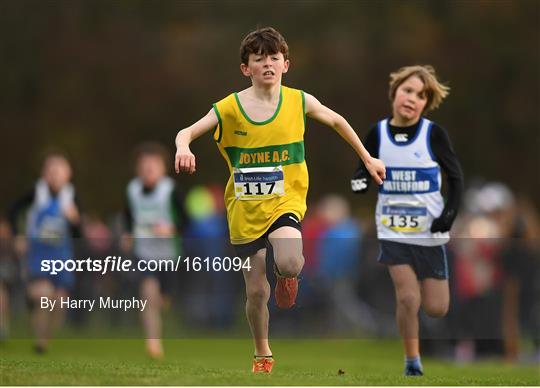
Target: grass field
{"x": 228, "y": 362}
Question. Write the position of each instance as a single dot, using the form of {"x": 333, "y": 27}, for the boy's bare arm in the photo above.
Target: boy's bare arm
{"x": 185, "y": 160}
{"x": 325, "y": 115}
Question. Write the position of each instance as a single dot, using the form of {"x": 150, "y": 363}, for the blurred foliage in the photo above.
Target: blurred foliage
{"x": 95, "y": 78}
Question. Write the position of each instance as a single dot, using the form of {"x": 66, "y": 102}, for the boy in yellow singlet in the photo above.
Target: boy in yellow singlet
{"x": 260, "y": 133}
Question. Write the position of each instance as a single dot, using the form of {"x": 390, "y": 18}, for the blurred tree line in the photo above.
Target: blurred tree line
{"x": 95, "y": 78}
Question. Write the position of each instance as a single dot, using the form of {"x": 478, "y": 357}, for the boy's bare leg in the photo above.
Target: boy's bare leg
{"x": 510, "y": 318}
{"x": 258, "y": 294}
{"x": 151, "y": 315}
{"x": 41, "y": 318}
{"x": 4, "y": 311}
{"x": 407, "y": 291}
{"x": 58, "y": 315}
{"x": 435, "y": 297}
{"x": 287, "y": 244}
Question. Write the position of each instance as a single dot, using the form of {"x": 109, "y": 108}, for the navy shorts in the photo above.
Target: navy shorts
{"x": 62, "y": 280}
{"x": 245, "y": 250}
{"x": 427, "y": 262}
{"x": 166, "y": 278}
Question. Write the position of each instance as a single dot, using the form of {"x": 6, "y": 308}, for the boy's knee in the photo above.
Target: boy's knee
{"x": 290, "y": 266}
{"x": 149, "y": 287}
{"x": 40, "y": 289}
{"x": 258, "y": 294}
{"x": 409, "y": 300}
{"x": 436, "y": 310}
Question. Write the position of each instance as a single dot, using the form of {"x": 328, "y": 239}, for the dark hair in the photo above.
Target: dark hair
{"x": 53, "y": 153}
{"x": 152, "y": 149}
{"x": 264, "y": 41}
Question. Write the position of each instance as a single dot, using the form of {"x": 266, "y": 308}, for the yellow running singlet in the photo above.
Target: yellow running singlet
{"x": 266, "y": 161}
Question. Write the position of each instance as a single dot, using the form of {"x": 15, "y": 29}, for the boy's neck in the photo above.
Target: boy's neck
{"x": 54, "y": 191}
{"x": 400, "y": 122}
{"x": 263, "y": 93}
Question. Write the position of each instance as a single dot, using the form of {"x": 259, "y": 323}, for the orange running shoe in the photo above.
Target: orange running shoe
{"x": 263, "y": 364}
{"x": 285, "y": 291}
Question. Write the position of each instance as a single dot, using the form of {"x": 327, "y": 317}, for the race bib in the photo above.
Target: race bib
{"x": 257, "y": 183}
{"x": 405, "y": 217}
{"x": 52, "y": 230}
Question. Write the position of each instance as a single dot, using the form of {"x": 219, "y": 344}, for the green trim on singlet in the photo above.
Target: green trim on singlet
{"x": 220, "y": 124}
{"x": 260, "y": 122}
{"x": 303, "y": 108}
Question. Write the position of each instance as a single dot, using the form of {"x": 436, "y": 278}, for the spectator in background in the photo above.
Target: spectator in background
{"x": 96, "y": 242}
{"x": 339, "y": 246}
{"x": 478, "y": 269}
{"x": 154, "y": 217}
{"x": 53, "y": 220}
{"x": 211, "y": 297}
{"x": 339, "y": 254}
{"x": 519, "y": 226}
{"x": 313, "y": 227}
{"x": 9, "y": 274}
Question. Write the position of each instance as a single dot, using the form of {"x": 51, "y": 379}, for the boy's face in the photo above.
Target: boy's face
{"x": 150, "y": 169}
{"x": 56, "y": 172}
{"x": 410, "y": 100}
{"x": 265, "y": 70}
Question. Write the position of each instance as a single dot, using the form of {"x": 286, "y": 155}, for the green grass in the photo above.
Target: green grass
{"x": 228, "y": 362}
